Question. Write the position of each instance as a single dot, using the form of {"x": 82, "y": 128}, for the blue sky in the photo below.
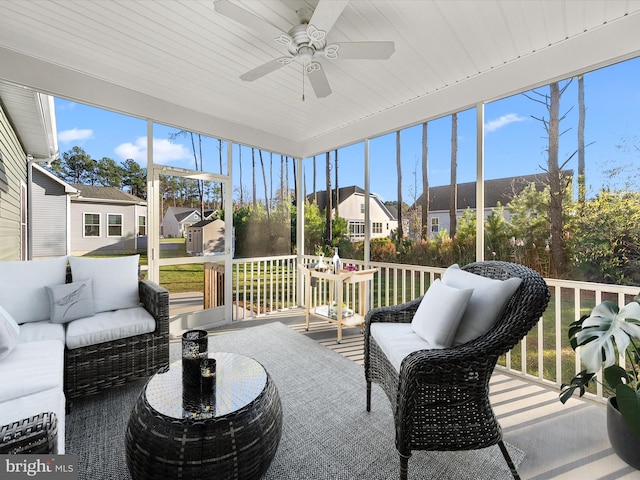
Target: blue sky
{"x": 515, "y": 142}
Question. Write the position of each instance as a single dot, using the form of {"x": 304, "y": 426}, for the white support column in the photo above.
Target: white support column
{"x": 480, "y": 182}
{"x": 153, "y": 212}
{"x": 228, "y": 236}
{"x": 367, "y": 210}
{"x": 299, "y": 230}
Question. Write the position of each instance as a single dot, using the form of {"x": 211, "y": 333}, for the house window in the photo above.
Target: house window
{"x": 362, "y": 208}
{"x": 114, "y": 228}
{"x": 91, "y": 224}
{"x": 435, "y": 225}
{"x": 356, "y": 229}
{"x": 377, "y": 227}
{"x": 142, "y": 225}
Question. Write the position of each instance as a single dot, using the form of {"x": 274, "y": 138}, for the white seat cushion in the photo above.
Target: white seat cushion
{"x": 43, "y": 330}
{"x": 488, "y": 301}
{"x": 109, "y": 326}
{"x": 31, "y": 368}
{"x": 397, "y": 340}
{"x": 22, "y": 284}
{"x": 440, "y": 312}
{"x": 51, "y": 400}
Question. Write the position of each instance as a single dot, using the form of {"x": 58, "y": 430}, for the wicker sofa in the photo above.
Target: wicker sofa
{"x": 440, "y": 394}
{"x": 56, "y": 361}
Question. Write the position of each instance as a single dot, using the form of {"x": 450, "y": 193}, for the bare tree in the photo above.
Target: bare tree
{"x": 399, "y": 169}
{"x": 264, "y": 180}
{"x": 286, "y": 176}
{"x": 425, "y": 184}
{"x": 253, "y": 176}
{"x": 198, "y": 160}
{"x": 315, "y": 192}
{"x": 453, "y": 192}
{"x": 581, "y": 121}
{"x": 335, "y": 154}
{"x": 556, "y": 180}
{"x": 281, "y": 199}
{"x": 241, "y": 187}
{"x": 328, "y": 234}
{"x": 295, "y": 179}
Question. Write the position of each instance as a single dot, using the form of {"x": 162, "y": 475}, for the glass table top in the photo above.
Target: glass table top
{"x": 239, "y": 381}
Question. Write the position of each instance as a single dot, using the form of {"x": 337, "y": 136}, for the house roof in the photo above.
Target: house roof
{"x": 179, "y": 62}
{"x": 32, "y": 115}
{"x": 67, "y": 188}
{"x": 204, "y": 223}
{"x": 108, "y": 194}
{"x": 343, "y": 194}
{"x": 497, "y": 190}
{"x": 346, "y": 192}
{"x": 181, "y": 213}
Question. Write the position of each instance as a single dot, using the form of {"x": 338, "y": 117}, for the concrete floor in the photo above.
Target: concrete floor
{"x": 560, "y": 441}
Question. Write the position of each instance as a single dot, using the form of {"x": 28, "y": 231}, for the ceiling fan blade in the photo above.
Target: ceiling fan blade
{"x": 326, "y": 14}
{"x": 262, "y": 70}
{"x": 246, "y": 18}
{"x": 365, "y": 50}
{"x": 319, "y": 82}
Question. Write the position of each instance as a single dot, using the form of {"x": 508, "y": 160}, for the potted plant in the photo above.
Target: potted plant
{"x": 601, "y": 337}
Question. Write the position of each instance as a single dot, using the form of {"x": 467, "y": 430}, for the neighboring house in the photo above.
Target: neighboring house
{"x": 106, "y": 219}
{"x": 205, "y": 237}
{"x": 351, "y": 208}
{"x": 500, "y": 190}
{"x": 49, "y": 214}
{"x": 27, "y": 135}
{"x": 177, "y": 219}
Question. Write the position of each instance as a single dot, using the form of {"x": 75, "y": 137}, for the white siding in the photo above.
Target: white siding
{"x": 14, "y": 169}
{"x": 49, "y": 216}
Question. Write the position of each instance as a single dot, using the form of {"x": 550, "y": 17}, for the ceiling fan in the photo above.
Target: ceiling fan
{"x": 306, "y": 41}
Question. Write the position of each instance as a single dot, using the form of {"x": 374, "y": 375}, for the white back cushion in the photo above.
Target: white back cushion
{"x": 9, "y": 333}
{"x": 22, "y": 291}
{"x": 439, "y": 313}
{"x": 114, "y": 280}
{"x": 486, "y": 304}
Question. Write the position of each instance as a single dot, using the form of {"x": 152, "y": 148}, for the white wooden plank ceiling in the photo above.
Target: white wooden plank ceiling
{"x": 179, "y": 61}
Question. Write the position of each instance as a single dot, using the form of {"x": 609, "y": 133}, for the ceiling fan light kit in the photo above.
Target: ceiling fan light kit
{"x": 306, "y": 41}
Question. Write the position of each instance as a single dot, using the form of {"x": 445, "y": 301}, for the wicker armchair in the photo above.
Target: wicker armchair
{"x": 91, "y": 369}
{"x": 440, "y": 398}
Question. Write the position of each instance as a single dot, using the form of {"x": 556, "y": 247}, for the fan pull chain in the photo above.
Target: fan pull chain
{"x": 302, "y": 83}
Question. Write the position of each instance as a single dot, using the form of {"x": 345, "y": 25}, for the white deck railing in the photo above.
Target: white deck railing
{"x": 269, "y": 284}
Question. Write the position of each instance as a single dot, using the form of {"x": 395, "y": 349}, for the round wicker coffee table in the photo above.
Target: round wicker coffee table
{"x": 175, "y": 433}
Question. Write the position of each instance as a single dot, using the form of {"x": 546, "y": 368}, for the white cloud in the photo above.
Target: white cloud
{"x": 75, "y": 134}
{"x": 164, "y": 151}
{"x": 504, "y": 120}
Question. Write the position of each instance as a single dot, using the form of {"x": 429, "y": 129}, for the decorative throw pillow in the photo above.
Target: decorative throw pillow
{"x": 70, "y": 301}
{"x": 439, "y": 313}
{"x": 9, "y": 333}
{"x": 114, "y": 280}
{"x": 489, "y": 299}
{"x": 22, "y": 285}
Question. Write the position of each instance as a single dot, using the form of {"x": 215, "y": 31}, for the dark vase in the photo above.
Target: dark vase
{"x": 194, "y": 350}
{"x": 625, "y": 443}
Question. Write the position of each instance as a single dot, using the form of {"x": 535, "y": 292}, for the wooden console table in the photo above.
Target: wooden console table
{"x": 335, "y": 310}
